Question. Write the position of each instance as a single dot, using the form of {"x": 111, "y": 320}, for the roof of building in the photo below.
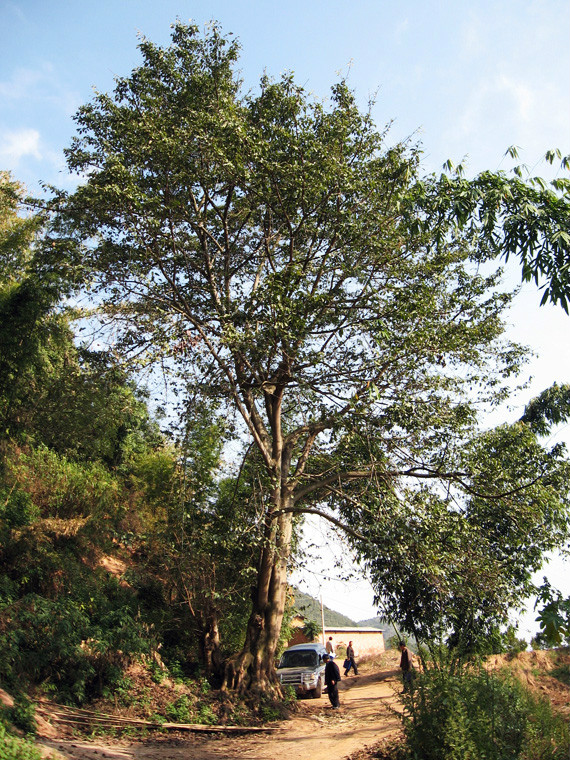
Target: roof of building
{"x": 355, "y": 629}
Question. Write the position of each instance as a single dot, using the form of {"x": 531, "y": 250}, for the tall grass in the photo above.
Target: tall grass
{"x": 14, "y": 748}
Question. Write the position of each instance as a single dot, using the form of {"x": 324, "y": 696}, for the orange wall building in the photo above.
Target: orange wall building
{"x": 366, "y": 641}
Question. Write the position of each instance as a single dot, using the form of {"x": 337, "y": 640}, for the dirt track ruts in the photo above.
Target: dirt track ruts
{"x": 368, "y": 713}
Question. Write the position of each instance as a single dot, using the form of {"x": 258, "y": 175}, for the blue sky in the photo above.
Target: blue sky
{"x": 468, "y": 79}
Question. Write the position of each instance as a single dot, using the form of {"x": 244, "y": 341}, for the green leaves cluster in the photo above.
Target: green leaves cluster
{"x": 515, "y": 215}
{"x": 553, "y": 616}
{"x": 450, "y": 564}
{"x": 478, "y": 714}
{"x": 15, "y": 748}
{"x": 267, "y": 236}
{"x": 62, "y": 624}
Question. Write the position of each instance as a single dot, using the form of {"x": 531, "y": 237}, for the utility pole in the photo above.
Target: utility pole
{"x": 322, "y": 619}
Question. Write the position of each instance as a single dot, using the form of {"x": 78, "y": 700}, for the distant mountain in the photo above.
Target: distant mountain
{"x": 375, "y": 622}
{"x": 311, "y": 609}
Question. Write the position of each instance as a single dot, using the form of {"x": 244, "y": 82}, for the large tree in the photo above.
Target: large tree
{"x": 288, "y": 261}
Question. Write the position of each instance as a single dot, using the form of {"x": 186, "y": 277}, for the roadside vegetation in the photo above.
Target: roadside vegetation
{"x": 476, "y": 713}
{"x": 510, "y": 705}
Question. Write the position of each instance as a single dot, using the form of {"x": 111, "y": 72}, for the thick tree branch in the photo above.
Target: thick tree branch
{"x": 334, "y": 520}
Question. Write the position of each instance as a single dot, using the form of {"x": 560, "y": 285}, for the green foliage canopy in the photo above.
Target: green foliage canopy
{"x": 452, "y": 564}
{"x": 265, "y": 244}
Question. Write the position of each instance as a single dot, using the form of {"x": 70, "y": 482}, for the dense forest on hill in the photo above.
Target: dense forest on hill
{"x": 310, "y": 608}
{"x": 93, "y": 500}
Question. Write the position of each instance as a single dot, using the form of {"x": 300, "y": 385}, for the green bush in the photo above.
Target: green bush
{"x": 14, "y": 748}
{"x": 311, "y": 630}
{"x": 511, "y": 643}
{"x": 206, "y": 715}
{"x": 78, "y": 647}
{"x": 180, "y": 710}
{"x": 41, "y": 640}
{"x": 473, "y": 714}
{"x": 22, "y": 714}
{"x": 66, "y": 489}
{"x": 17, "y": 508}
{"x": 393, "y": 642}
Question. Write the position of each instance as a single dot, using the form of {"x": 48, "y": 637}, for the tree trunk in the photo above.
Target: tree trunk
{"x": 253, "y": 670}
{"x": 210, "y": 653}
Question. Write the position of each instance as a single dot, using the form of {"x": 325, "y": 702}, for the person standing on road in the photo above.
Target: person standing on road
{"x": 329, "y": 646}
{"x": 350, "y": 660}
{"x": 332, "y": 677}
{"x": 406, "y": 664}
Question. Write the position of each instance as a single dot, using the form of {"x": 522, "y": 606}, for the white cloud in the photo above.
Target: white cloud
{"x": 14, "y": 145}
{"x": 42, "y": 84}
{"x": 521, "y": 95}
{"x": 16, "y": 11}
{"x": 401, "y": 30}
{"x": 23, "y": 81}
{"x": 503, "y": 110}
{"x": 515, "y": 98}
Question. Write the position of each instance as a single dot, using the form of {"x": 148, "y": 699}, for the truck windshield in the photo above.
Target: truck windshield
{"x": 299, "y": 659}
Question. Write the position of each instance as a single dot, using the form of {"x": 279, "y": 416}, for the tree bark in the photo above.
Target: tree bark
{"x": 253, "y": 670}
{"x": 210, "y": 652}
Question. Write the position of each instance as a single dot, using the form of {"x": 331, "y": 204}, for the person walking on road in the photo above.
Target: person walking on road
{"x": 329, "y": 646}
{"x": 350, "y": 662}
{"x": 332, "y": 677}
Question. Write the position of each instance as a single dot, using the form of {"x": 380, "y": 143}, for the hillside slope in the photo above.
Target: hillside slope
{"x": 310, "y": 608}
{"x": 546, "y": 672}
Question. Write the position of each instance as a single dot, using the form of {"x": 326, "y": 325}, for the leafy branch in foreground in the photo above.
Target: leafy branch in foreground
{"x": 529, "y": 219}
{"x": 554, "y": 615}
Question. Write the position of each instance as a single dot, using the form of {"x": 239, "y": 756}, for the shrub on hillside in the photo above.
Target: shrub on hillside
{"x": 61, "y": 488}
{"x": 16, "y": 509}
{"x": 75, "y": 649}
{"x": 474, "y": 714}
{"x": 14, "y": 748}
{"x": 40, "y": 640}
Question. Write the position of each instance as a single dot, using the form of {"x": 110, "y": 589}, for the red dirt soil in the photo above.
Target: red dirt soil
{"x": 369, "y": 714}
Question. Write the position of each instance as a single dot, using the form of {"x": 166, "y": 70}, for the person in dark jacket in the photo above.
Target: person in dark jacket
{"x": 350, "y": 662}
{"x": 332, "y": 677}
{"x": 406, "y": 664}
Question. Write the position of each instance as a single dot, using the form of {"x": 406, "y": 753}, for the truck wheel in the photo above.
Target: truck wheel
{"x": 317, "y": 692}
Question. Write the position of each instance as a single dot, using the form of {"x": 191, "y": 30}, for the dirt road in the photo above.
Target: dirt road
{"x": 317, "y": 732}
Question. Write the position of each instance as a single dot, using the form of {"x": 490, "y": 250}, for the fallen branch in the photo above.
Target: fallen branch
{"x": 77, "y": 716}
